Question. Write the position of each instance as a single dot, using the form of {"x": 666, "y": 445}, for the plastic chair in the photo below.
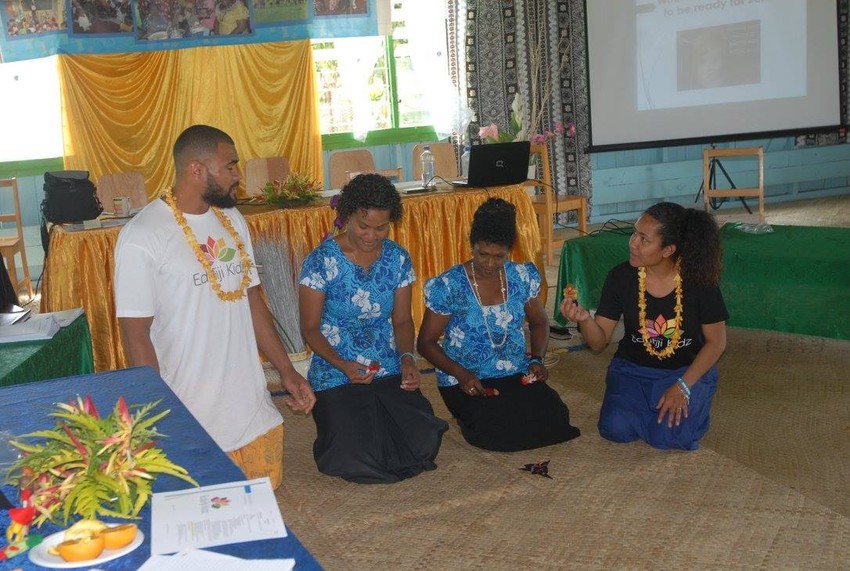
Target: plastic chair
{"x": 445, "y": 161}
{"x": 129, "y": 184}
{"x": 261, "y": 170}
{"x": 12, "y": 245}
{"x": 395, "y": 174}
{"x": 548, "y": 204}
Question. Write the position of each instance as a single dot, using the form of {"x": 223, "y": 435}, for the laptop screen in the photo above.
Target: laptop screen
{"x": 498, "y": 164}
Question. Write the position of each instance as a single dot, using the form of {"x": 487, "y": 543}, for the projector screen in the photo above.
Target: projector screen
{"x": 668, "y": 72}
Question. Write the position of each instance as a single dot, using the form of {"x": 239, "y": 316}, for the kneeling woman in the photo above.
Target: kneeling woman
{"x": 373, "y": 424}
{"x": 496, "y": 391}
{"x": 661, "y": 382}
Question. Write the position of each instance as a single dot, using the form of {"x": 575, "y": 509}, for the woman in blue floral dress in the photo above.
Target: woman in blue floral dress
{"x": 373, "y": 425}
{"x": 495, "y": 389}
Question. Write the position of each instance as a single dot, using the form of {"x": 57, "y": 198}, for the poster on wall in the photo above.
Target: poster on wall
{"x": 101, "y": 17}
{"x": 28, "y": 18}
{"x": 40, "y": 28}
{"x": 339, "y": 7}
{"x": 165, "y": 19}
{"x": 274, "y": 12}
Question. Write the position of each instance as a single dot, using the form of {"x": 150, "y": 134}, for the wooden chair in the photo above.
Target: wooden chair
{"x": 261, "y": 170}
{"x": 709, "y": 178}
{"x": 345, "y": 165}
{"x": 445, "y": 161}
{"x": 130, "y": 184}
{"x": 342, "y": 163}
{"x": 395, "y": 175}
{"x": 12, "y": 245}
{"x": 548, "y": 204}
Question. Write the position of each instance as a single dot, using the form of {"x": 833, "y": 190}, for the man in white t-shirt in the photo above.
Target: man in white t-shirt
{"x": 189, "y": 305}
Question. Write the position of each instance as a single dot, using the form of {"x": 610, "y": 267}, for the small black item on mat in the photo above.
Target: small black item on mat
{"x": 539, "y": 468}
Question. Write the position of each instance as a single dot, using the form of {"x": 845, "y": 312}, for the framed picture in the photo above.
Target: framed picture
{"x": 101, "y": 17}
{"x": 26, "y": 18}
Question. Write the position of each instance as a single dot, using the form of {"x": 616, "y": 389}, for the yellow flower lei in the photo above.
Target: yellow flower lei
{"x": 236, "y": 294}
{"x": 677, "y": 331}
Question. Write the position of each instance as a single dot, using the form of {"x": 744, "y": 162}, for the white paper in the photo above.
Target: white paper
{"x": 214, "y": 515}
{"x": 199, "y": 560}
{"x": 36, "y": 328}
{"x": 67, "y": 316}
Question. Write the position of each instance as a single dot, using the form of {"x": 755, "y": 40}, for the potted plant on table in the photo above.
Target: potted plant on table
{"x": 295, "y": 190}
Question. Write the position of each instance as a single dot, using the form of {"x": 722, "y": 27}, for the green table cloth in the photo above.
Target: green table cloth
{"x": 67, "y": 353}
{"x": 795, "y": 279}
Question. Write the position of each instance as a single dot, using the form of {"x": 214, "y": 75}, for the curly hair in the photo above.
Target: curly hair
{"x": 696, "y": 237}
{"x": 368, "y": 192}
{"x": 494, "y": 222}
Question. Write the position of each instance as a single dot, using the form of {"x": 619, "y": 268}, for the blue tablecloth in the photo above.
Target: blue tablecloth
{"x": 25, "y": 408}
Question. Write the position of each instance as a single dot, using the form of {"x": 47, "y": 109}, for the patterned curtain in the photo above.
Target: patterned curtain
{"x": 495, "y": 44}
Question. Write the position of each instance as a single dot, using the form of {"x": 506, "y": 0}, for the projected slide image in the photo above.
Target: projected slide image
{"x": 719, "y": 56}
{"x": 704, "y": 52}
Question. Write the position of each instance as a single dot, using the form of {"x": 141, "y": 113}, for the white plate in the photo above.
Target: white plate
{"x": 40, "y": 556}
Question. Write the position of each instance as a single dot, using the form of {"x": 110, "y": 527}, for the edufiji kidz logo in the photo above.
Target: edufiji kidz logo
{"x": 217, "y": 502}
{"x": 218, "y": 252}
{"x": 660, "y": 330}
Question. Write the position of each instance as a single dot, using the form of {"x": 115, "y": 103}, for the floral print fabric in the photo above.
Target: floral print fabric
{"x": 357, "y": 314}
{"x": 466, "y": 339}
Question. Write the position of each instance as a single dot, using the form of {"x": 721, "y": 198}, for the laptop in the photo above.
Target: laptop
{"x": 497, "y": 164}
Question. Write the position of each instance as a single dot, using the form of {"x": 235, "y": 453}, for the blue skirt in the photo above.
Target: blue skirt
{"x": 629, "y": 409}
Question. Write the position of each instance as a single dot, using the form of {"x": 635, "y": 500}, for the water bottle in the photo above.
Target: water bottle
{"x": 427, "y": 159}
{"x": 464, "y": 162}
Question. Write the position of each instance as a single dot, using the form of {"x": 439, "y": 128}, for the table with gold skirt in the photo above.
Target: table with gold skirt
{"x": 80, "y": 265}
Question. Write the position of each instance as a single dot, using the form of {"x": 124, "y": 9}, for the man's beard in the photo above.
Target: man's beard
{"x": 216, "y": 195}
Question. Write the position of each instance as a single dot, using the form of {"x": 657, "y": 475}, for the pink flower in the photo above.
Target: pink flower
{"x": 489, "y": 132}
{"x": 538, "y": 139}
{"x": 559, "y": 128}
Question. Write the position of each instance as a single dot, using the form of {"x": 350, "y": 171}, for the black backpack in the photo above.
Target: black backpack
{"x": 69, "y": 196}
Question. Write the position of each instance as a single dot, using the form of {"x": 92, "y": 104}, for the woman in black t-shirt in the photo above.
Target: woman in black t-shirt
{"x": 661, "y": 381}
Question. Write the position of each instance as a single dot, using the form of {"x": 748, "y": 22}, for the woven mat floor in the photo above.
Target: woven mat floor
{"x": 767, "y": 490}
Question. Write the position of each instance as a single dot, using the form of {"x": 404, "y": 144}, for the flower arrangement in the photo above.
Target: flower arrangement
{"x": 293, "y": 190}
{"x": 88, "y": 465}
{"x": 517, "y": 130}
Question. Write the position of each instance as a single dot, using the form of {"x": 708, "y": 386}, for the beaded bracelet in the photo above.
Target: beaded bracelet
{"x": 407, "y": 354}
{"x": 683, "y": 386}
{"x": 534, "y": 359}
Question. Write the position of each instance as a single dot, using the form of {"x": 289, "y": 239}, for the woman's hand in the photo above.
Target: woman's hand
{"x": 572, "y": 311}
{"x": 470, "y": 384}
{"x": 540, "y": 372}
{"x": 409, "y": 374}
{"x": 357, "y": 373}
{"x": 673, "y": 404}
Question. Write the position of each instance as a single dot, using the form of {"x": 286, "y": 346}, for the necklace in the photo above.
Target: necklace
{"x": 493, "y": 344}
{"x": 236, "y": 294}
{"x": 677, "y": 323}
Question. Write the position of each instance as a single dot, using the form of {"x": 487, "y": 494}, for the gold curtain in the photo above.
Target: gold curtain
{"x": 122, "y": 112}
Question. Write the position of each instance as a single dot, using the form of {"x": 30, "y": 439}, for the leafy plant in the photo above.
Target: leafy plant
{"x": 295, "y": 187}
{"x": 92, "y": 466}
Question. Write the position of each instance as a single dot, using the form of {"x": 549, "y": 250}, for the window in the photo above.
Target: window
{"x": 32, "y": 122}
{"x": 382, "y": 89}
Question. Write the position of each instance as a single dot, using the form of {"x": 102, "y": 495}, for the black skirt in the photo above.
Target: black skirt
{"x": 375, "y": 433}
{"x": 521, "y": 417}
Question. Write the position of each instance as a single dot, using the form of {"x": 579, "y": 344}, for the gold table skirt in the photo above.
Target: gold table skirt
{"x": 80, "y": 265}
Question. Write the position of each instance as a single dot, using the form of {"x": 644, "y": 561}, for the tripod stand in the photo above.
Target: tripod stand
{"x": 715, "y": 203}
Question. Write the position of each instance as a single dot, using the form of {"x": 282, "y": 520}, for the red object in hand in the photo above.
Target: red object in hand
{"x": 491, "y": 392}
{"x": 373, "y": 368}
{"x": 529, "y": 378}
